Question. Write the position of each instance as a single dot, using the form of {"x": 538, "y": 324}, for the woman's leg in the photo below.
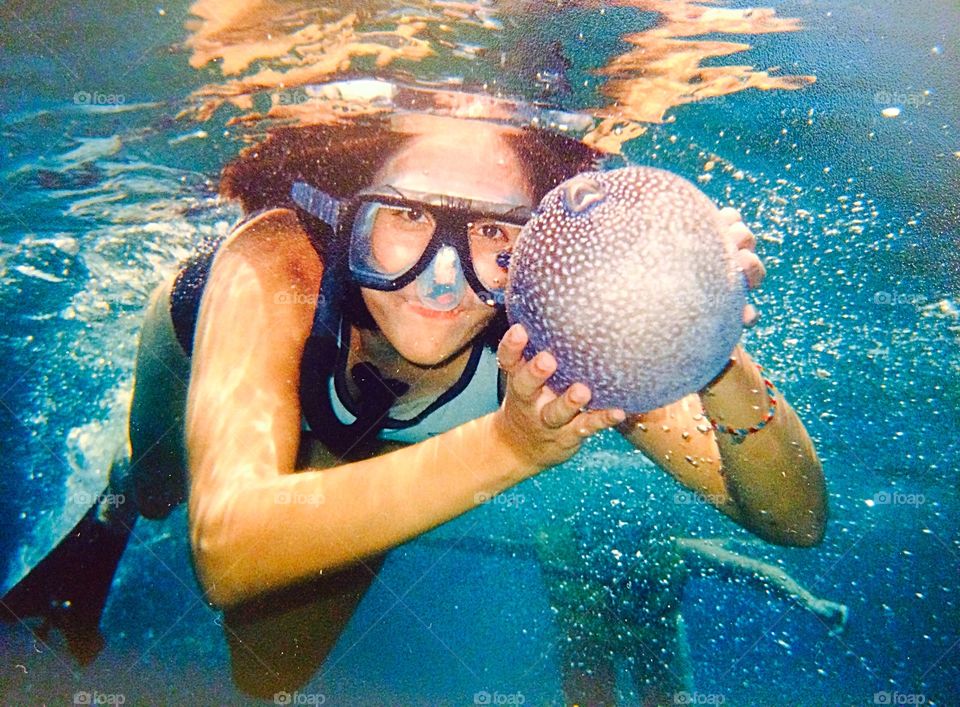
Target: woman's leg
{"x": 156, "y": 473}
{"x": 660, "y": 661}
{"x": 578, "y": 601}
{"x": 710, "y": 558}
{"x": 68, "y": 588}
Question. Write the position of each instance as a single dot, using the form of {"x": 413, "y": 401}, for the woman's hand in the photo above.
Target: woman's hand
{"x": 542, "y": 428}
{"x": 742, "y": 242}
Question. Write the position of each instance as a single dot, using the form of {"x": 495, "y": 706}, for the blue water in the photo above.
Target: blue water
{"x": 858, "y": 223}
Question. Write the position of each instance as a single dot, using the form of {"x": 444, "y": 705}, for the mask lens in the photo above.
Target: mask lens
{"x": 390, "y": 236}
{"x": 389, "y": 239}
{"x": 489, "y": 239}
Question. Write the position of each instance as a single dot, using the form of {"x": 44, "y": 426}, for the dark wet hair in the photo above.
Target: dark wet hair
{"x": 341, "y": 159}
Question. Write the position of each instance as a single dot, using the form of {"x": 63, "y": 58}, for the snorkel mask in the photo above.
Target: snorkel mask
{"x": 442, "y": 242}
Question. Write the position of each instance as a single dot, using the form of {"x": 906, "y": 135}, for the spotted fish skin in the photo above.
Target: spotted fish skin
{"x": 625, "y": 278}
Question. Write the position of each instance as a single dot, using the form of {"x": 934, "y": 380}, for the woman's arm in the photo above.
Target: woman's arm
{"x": 255, "y": 525}
{"x": 771, "y": 483}
{"x": 773, "y": 475}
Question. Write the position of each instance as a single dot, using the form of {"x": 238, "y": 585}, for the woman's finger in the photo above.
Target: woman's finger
{"x": 742, "y": 236}
{"x": 589, "y": 423}
{"x": 561, "y": 411}
{"x": 752, "y": 267}
{"x": 529, "y": 378}
{"x": 729, "y": 216}
{"x": 510, "y": 349}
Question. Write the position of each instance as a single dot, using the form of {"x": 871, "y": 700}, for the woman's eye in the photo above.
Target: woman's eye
{"x": 414, "y": 215}
{"x": 492, "y": 230}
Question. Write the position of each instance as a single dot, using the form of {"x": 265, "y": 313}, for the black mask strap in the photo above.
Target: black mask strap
{"x": 316, "y": 203}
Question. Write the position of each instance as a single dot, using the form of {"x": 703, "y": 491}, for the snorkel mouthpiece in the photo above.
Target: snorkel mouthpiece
{"x": 441, "y": 285}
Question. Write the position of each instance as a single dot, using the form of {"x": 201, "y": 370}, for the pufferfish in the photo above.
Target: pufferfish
{"x": 624, "y": 276}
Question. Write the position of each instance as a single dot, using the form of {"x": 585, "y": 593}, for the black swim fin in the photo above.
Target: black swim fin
{"x": 68, "y": 589}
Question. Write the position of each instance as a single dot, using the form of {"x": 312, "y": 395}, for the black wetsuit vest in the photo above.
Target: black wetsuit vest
{"x": 325, "y": 402}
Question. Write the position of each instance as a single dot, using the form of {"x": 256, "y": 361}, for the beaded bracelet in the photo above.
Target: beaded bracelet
{"x": 740, "y": 433}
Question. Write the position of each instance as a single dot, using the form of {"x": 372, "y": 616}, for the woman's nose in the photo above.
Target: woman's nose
{"x": 445, "y": 265}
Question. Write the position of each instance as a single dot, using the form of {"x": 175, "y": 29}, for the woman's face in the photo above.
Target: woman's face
{"x": 472, "y": 162}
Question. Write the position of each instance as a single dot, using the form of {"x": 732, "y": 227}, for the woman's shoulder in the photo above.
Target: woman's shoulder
{"x": 275, "y": 239}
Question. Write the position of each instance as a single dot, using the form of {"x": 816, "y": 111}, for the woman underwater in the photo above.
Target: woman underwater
{"x": 304, "y": 387}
